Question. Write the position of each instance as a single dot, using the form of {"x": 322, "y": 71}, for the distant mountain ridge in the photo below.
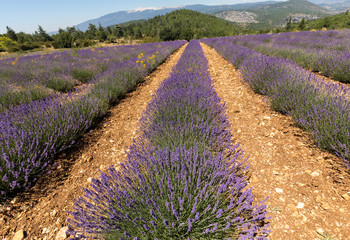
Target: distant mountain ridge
{"x": 147, "y": 13}
{"x": 258, "y": 15}
{"x": 335, "y": 6}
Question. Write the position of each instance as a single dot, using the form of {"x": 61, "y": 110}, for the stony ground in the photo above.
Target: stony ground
{"x": 307, "y": 188}
{"x": 42, "y": 212}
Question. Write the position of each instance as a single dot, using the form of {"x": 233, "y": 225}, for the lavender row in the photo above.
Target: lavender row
{"x": 326, "y": 52}
{"x": 30, "y": 134}
{"x": 183, "y": 178}
{"x": 31, "y": 78}
{"x": 321, "y": 108}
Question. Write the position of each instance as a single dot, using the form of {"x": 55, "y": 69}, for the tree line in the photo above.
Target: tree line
{"x": 180, "y": 24}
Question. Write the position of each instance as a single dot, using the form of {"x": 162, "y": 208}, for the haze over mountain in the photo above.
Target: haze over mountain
{"x": 147, "y": 13}
{"x": 259, "y": 15}
{"x": 333, "y": 5}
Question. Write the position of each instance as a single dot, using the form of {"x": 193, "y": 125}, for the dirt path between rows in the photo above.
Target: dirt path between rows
{"x": 42, "y": 211}
{"x": 307, "y": 187}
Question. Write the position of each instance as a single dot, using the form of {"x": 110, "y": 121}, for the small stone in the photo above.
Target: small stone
{"x": 295, "y": 214}
{"x": 89, "y": 180}
{"x": 103, "y": 168}
{"x": 301, "y": 184}
{"x": 253, "y": 179}
{"x": 61, "y": 235}
{"x": 111, "y": 141}
{"x": 275, "y": 173}
{"x": 308, "y": 171}
{"x": 320, "y": 230}
{"x": 315, "y": 174}
{"x": 346, "y": 197}
{"x": 341, "y": 210}
{"x": 53, "y": 213}
{"x": 325, "y": 206}
{"x": 89, "y": 158}
{"x": 19, "y": 235}
{"x": 300, "y": 205}
{"x": 279, "y": 190}
{"x": 267, "y": 117}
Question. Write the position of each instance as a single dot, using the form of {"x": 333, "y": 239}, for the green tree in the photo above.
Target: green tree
{"x": 118, "y": 31}
{"x": 101, "y": 33}
{"x": 64, "y": 39}
{"x": 91, "y": 31}
{"x": 138, "y": 34}
{"x": 326, "y": 22}
{"x": 11, "y": 34}
{"x": 186, "y": 34}
{"x": 5, "y": 43}
{"x": 289, "y": 24}
{"x": 302, "y": 24}
{"x": 41, "y": 35}
{"x": 167, "y": 35}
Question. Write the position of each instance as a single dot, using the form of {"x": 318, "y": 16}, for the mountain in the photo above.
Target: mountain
{"x": 147, "y": 13}
{"x": 184, "y": 24}
{"x": 338, "y": 21}
{"x": 259, "y": 15}
{"x": 277, "y": 14}
{"x": 335, "y": 6}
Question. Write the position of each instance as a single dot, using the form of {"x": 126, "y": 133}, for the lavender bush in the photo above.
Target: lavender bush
{"x": 183, "y": 178}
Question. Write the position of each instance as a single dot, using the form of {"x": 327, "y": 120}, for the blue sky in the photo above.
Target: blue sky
{"x": 26, "y": 15}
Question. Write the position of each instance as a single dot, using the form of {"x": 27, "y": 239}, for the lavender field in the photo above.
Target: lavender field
{"x": 322, "y": 108}
{"x": 185, "y": 175}
{"x": 326, "y": 52}
{"x": 183, "y": 179}
{"x": 34, "y": 127}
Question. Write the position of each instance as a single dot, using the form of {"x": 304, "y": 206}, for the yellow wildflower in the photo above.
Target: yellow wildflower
{"x": 13, "y": 63}
{"x": 144, "y": 65}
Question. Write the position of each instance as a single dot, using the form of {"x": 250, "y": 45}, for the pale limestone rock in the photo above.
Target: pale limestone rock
{"x": 61, "y": 235}
{"x": 19, "y": 235}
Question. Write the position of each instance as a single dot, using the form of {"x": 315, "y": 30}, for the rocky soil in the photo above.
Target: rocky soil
{"x": 308, "y": 189}
{"x": 41, "y": 213}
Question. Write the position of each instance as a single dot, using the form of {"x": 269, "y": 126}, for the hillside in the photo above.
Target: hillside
{"x": 259, "y": 15}
{"x": 184, "y": 24}
{"x": 336, "y": 6}
{"x": 147, "y": 13}
{"x": 338, "y": 21}
{"x": 276, "y": 15}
